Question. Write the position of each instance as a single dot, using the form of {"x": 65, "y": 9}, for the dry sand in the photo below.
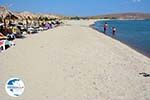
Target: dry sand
{"x": 75, "y": 62}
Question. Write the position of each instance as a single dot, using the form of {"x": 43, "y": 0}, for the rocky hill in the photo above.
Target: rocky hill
{"x": 124, "y": 16}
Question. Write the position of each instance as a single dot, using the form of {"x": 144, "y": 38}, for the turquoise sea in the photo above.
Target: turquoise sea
{"x": 134, "y": 33}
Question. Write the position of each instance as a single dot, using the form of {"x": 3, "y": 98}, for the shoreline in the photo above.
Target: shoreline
{"x": 75, "y": 62}
{"x": 137, "y": 50}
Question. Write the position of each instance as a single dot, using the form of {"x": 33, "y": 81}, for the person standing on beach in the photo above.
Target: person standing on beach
{"x": 105, "y": 27}
{"x": 113, "y": 31}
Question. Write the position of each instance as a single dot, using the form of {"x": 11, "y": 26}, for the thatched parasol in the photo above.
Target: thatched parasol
{"x": 4, "y": 11}
{"x": 6, "y": 14}
{"x": 47, "y": 16}
{"x": 27, "y": 15}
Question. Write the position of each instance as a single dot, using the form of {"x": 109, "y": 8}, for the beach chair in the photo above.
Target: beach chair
{"x": 9, "y": 43}
{"x": 2, "y": 45}
{"x": 2, "y": 36}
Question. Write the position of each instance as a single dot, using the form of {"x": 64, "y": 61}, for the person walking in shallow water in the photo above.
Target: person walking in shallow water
{"x": 105, "y": 27}
{"x": 113, "y": 31}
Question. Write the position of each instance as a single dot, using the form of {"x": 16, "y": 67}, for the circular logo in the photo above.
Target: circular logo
{"x": 14, "y": 87}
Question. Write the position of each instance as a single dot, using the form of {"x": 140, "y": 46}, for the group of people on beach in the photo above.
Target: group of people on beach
{"x": 17, "y": 29}
{"x": 106, "y": 27}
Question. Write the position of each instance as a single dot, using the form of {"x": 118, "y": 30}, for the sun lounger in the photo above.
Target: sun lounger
{"x": 2, "y": 45}
{"x": 2, "y": 36}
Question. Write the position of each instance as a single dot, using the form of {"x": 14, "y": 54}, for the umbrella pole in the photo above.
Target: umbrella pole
{"x": 4, "y": 22}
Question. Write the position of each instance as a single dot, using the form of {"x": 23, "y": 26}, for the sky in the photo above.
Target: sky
{"x": 78, "y": 7}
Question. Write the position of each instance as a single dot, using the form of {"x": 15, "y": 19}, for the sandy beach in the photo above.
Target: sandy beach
{"x": 75, "y": 62}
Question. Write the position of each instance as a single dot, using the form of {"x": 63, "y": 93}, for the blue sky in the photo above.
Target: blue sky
{"x": 78, "y": 7}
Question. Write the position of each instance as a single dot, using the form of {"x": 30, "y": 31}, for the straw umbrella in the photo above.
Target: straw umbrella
{"x": 3, "y": 13}
{"x": 6, "y": 14}
{"x": 29, "y": 17}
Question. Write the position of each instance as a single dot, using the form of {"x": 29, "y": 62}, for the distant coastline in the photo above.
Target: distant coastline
{"x": 124, "y": 16}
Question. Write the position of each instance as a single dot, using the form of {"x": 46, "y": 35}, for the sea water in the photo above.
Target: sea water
{"x": 134, "y": 33}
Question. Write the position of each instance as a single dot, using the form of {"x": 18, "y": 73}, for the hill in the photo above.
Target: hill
{"x": 123, "y": 16}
